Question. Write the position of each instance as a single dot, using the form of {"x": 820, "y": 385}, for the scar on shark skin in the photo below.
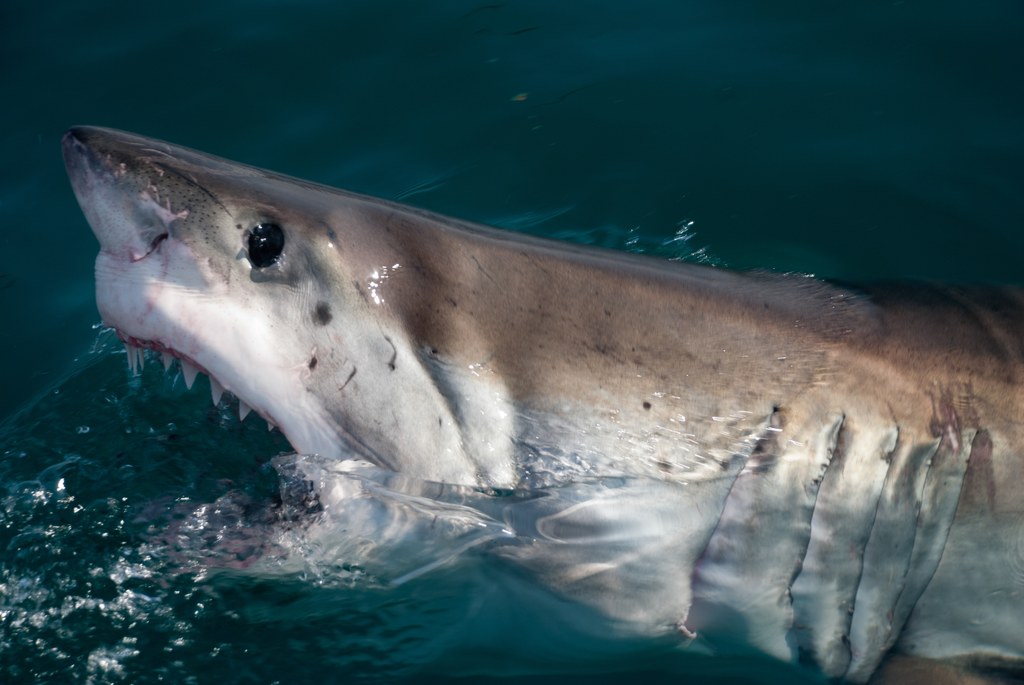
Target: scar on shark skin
{"x": 349, "y": 379}
{"x": 394, "y": 354}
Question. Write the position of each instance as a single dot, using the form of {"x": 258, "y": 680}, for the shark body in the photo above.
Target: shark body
{"x": 824, "y": 475}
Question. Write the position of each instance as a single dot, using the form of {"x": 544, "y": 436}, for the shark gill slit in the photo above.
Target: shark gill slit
{"x": 762, "y": 454}
{"x": 834, "y": 438}
{"x": 940, "y": 499}
{"x": 822, "y": 614}
{"x": 838, "y": 448}
{"x": 888, "y": 555}
{"x": 889, "y": 455}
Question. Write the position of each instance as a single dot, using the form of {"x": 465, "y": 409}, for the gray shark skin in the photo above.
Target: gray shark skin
{"x": 751, "y": 462}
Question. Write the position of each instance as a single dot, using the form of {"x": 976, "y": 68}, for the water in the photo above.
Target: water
{"x": 860, "y": 141}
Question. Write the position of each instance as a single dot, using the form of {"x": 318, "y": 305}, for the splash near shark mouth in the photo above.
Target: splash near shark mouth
{"x": 736, "y": 462}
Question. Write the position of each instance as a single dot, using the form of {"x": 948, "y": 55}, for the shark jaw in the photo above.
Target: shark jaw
{"x": 135, "y": 351}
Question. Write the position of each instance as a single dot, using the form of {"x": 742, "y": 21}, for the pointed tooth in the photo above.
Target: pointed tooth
{"x": 167, "y": 359}
{"x": 270, "y": 426}
{"x": 243, "y": 410}
{"x": 141, "y": 356}
{"x": 216, "y": 391}
{"x": 189, "y": 373}
{"x": 129, "y": 350}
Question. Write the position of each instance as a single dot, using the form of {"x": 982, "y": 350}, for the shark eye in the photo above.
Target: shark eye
{"x": 265, "y": 244}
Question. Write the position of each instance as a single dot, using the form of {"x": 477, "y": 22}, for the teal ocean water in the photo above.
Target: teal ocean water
{"x": 868, "y": 140}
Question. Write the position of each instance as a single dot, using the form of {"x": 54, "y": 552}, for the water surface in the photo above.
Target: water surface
{"x": 853, "y": 141}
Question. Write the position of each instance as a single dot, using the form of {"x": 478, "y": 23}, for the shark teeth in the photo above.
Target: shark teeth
{"x": 188, "y": 372}
{"x": 136, "y": 358}
{"x": 135, "y": 349}
{"x": 130, "y": 352}
{"x": 216, "y": 391}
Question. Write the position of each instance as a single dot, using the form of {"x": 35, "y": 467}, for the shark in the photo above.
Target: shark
{"x": 753, "y": 462}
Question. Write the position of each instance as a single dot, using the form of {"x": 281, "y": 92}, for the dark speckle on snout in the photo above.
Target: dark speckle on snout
{"x": 312, "y": 362}
{"x": 322, "y": 313}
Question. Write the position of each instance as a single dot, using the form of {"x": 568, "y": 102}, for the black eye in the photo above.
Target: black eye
{"x": 265, "y": 244}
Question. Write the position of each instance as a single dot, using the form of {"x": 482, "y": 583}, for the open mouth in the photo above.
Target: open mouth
{"x": 136, "y": 348}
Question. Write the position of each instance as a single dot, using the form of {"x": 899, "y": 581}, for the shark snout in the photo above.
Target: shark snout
{"x": 125, "y": 215}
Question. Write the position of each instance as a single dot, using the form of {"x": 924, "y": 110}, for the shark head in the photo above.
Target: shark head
{"x": 276, "y": 288}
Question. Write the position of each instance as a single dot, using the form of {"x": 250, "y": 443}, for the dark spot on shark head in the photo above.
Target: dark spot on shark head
{"x": 312, "y": 362}
{"x": 322, "y": 313}
{"x": 647, "y": 405}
